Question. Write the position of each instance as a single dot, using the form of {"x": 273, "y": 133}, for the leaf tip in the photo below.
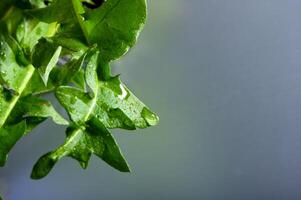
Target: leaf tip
{"x": 151, "y": 118}
{"x": 42, "y": 167}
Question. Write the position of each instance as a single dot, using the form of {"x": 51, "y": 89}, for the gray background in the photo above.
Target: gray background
{"x": 225, "y": 78}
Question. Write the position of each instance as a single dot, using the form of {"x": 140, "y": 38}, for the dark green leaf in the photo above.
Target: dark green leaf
{"x": 45, "y": 60}
{"x": 80, "y": 144}
{"x": 9, "y": 135}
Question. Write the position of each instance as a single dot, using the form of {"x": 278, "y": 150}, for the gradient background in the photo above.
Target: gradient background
{"x": 225, "y": 78}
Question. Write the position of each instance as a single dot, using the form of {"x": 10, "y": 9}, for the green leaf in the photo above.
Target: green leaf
{"x": 26, "y": 115}
{"x": 115, "y": 26}
{"x": 68, "y": 14}
{"x": 9, "y": 135}
{"x": 91, "y": 71}
{"x": 45, "y": 61}
{"x": 62, "y": 75}
{"x": 80, "y": 144}
{"x": 78, "y": 103}
{"x": 65, "y": 47}
{"x": 113, "y": 104}
{"x": 37, "y": 86}
{"x": 4, "y": 8}
{"x": 14, "y": 78}
{"x": 117, "y": 107}
{"x": 29, "y": 32}
{"x": 31, "y": 106}
{"x": 79, "y": 80}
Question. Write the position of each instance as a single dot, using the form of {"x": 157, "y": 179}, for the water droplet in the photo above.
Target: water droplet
{"x": 2, "y": 55}
{"x": 124, "y": 93}
{"x": 3, "y": 73}
{"x": 149, "y": 117}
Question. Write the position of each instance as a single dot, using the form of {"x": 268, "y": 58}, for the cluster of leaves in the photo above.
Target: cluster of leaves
{"x": 65, "y": 47}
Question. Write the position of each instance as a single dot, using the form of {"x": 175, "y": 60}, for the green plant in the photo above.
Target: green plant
{"x": 65, "y": 47}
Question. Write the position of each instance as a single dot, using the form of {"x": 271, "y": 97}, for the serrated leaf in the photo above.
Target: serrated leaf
{"x": 80, "y": 144}
{"x": 9, "y": 135}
